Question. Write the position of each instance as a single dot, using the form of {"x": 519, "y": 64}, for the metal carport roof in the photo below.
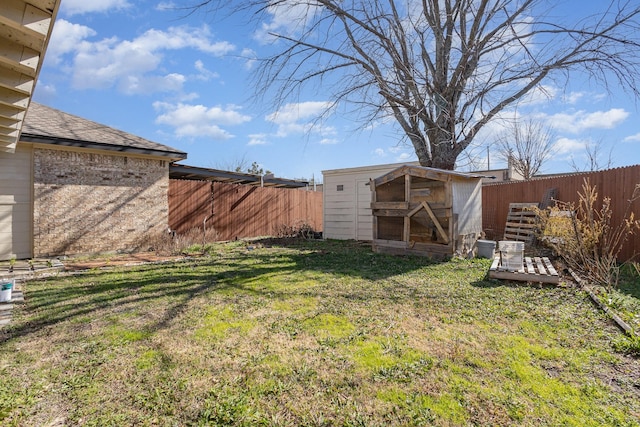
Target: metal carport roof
{"x": 178, "y": 171}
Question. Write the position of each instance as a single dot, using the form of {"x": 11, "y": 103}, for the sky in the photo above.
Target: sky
{"x": 185, "y": 80}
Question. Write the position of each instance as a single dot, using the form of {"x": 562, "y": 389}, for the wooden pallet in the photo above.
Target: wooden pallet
{"x": 536, "y": 269}
{"x": 521, "y": 222}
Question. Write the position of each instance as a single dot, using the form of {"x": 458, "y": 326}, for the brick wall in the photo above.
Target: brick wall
{"x": 91, "y": 203}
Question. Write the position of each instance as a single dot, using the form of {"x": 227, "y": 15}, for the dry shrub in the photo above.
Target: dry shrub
{"x": 300, "y": 229}
{"x": 172, "y": 243}
{"x": 584, "y": 235}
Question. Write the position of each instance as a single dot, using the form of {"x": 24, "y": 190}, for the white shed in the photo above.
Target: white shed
{"x": 347, "y": 201}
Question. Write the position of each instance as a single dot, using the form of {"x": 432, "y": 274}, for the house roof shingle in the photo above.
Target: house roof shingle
{"x": 50, "y": 126}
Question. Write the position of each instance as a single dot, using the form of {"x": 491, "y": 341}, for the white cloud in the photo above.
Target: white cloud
{"x": 250, "y": 57}
{"x": 287, "y": 18}
{"x": 400, "y": 153}
{"x": 580, "y": 121}
{"x": 198, "y": 120}
{"x": 632, "y": 138}
{"x": 403, "y": 157}
{"x": 127, "y": 64}
{"x": 45, "y": 92}
{"x": 257, "y": 139}
{"x": 180, "y": 38}
{"x": 567, "y": 145}
{"x": 574, "y": 97}
{"x": 298, "y": 118}
{"x": 140, "y": 85}
{"x": 78, "y": 7}
{"x": 166, "y": 5}
{"x": 328, "y": 141}
{"x": 66, "y": 38}
{"x": 203, "y": 73}
{"x": 539, "y": 95}
{"x": 292, "y": 113}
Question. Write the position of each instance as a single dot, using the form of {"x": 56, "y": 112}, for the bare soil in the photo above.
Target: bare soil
{"x": 77, "y": 264}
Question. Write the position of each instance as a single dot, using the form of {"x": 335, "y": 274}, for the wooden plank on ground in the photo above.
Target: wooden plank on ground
{"x": 550, "y": 268}
{"x": 544, "y": 275}
{"x": 540, "y": 265}
{"x": 394, "y": 243}
{"x": 529, "y": 263}
{"x": 433, "y": 248}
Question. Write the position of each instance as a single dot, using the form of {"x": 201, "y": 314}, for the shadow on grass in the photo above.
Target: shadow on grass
{"x": 629, "y": 283}
{"x": 489, "y": 282}
{"x": 52, "y": 300}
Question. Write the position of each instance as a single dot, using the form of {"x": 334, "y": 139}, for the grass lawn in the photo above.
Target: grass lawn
{"x": 317, "y": 333}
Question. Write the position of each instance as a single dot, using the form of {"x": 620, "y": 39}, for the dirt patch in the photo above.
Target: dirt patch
{"x": 119, "y": 260}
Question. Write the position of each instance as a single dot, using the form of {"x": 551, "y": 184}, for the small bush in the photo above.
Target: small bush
{"x": 585, "y": 237}
{"x": 172, "y": 243}
{"x": 299, "y": 229}
{"x": 628, "y": 345}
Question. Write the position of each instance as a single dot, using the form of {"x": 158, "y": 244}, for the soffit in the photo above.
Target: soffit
{"x": 25, "y": 30}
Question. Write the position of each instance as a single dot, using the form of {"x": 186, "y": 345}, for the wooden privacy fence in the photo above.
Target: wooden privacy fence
{"x": 240, "y": 211}
{"x": 617, "y": 184}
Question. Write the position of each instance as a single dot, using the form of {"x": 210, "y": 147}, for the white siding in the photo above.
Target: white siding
{"x": 338, "y": 211}
{"x": 467, "y": 203}
{"x": 347, "y": 213}
{"x": 16, "y": 217}
{"x": 364, "y": 218}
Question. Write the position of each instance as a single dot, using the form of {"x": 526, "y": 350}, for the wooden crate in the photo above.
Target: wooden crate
{"x": 521, "y": 222}
{"x": 426, "y": 211}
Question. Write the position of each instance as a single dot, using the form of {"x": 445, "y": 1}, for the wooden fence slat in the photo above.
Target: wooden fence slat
{"x": 617, "y": 184}
{"x": 240, "y": 211}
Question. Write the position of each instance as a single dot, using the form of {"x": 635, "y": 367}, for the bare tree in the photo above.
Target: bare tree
{"x": 442, "y": 68}
{"x": 254, "y": 169}
{"x": 594, "y": 158}
{"x": 241, "y": 164}
{"x": 527, "y": 145}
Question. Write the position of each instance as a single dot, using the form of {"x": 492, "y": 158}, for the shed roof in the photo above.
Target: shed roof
{"x": 178, "y": 171}
{"x": 425, "y": 172}
{"x": 47, "y": 125}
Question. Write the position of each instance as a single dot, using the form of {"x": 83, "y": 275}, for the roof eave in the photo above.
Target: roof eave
{"x": 24, "y": 38}
{"x": 65, "y": 142}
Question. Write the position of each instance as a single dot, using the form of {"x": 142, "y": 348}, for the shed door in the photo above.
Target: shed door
{"x": 364, "y": 218}
{"x": 15, "y": 203}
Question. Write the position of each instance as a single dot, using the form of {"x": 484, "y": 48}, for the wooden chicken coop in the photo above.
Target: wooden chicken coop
{"x": 426, "y": 211}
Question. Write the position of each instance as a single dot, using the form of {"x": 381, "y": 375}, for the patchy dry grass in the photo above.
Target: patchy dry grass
{"x": 310, "y": 334}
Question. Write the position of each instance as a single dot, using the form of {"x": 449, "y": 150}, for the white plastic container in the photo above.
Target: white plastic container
{"x": 511, "y": 255}
{"x": 6, "y": 286}
{"x": 486, "y": 248}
